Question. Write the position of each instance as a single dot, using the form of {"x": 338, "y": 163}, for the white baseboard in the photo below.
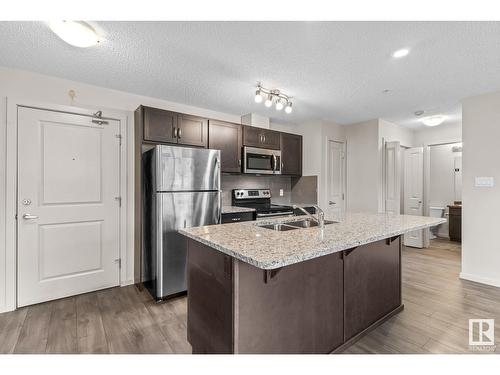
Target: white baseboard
{"x": 479, "y": 279}
{"x": 127, "y": 282}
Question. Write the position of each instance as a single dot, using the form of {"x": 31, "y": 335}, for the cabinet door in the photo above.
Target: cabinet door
{"x": 271, "y": 139}
{"x": 192, "y": 131}
{"x": 226, "y": 137}
{"x": 160, "y": 125}
{"x": 258, "y": 137}
{"x": 252, "y": 136}
{"x": 291, "y": 154}
{"x": 372, "y": 284}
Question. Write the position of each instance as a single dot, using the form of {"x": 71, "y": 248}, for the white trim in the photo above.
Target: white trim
{"x": 126, "y": 192}
{"x": 480, "y": 279}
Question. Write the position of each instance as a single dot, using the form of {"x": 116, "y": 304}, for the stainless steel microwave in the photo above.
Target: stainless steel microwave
{"x": 261, "y": 160}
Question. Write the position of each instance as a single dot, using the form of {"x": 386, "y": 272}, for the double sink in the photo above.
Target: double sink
{"x": 291, "y": 225}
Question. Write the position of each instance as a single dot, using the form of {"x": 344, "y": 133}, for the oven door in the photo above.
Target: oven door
{"x": 261, "y": 161}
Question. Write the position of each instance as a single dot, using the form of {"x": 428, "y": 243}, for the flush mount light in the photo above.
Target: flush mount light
{"x": 273, "y": 96}
{"x": 433, "y": 120}
{"x": 76, "y": 33}
{"x": 401, "y": 53}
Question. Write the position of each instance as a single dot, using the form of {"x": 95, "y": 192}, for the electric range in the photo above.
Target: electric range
{"x": 260, "y": 200}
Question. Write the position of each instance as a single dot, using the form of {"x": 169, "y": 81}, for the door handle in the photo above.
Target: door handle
{"x": 331, "y": 203}
{"x": 29, "y": 217}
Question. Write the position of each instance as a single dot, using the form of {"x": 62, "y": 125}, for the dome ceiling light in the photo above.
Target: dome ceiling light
{"x": 433, "y": 120}
{"x": 77, "y": 33}
{"x": 273, "y": 96}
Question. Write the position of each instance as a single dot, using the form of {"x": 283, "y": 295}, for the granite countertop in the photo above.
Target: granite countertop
{"x": 235, "y": 210}
{"x": 269, "y": 249}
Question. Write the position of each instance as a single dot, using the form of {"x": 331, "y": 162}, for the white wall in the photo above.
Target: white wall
{"x": 481, "y": 206}
{"x": 442, "y": 179}
{"x": 446, "y": 133}
{"x": 22, "y": 86}
{"x": 363, "y": 166}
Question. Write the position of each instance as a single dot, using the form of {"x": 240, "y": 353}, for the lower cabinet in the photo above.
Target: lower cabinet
{"x": 372, "y": 284}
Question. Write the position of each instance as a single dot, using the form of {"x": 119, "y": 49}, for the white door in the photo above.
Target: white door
{"x": 336, "y": 177}
{"x": 392, "y": 177}
{"x": 414, "y": 191}
{"x": 458, "y": 177}
{"x": 68, "y": 214}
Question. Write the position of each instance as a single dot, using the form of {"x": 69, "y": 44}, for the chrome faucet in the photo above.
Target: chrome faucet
{"x": 319, "y": 212}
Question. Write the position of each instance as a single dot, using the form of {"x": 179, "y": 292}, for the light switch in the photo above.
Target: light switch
{"x": 484, "y": 182}
{"x": 281, "y": 192}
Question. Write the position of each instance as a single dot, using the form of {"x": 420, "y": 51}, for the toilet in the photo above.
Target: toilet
{"x": 435, "y": 212}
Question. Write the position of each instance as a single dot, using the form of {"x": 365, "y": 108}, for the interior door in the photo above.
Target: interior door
{"x": 336, "y": 177}
{"x": 68, "y": 214}
{"x": 414, "y": 191}
{"x": 392, "y": 177}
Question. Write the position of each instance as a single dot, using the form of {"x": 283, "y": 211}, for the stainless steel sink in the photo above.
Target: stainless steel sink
{"x": 279, "y": 227}
{"x": 306, "y": 223}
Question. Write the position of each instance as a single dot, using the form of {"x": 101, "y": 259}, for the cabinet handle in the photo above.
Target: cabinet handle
{"x": 261, "y": 137}
{"x": 174, "y": 132}
{"x": 236, "y": 219}
{"x": 239, "y": 162}
{"x": 179, "y": 133}
{"x": 264, "y": 137}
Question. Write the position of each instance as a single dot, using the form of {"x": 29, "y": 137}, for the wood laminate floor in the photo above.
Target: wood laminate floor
{"x": 125, "y": 320}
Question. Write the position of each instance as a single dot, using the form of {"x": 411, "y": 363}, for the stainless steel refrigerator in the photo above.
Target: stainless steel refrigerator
{"x": 181, "y": 189}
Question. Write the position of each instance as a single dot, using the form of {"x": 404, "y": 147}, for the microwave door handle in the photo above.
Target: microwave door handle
{"x": 273, "y": 163}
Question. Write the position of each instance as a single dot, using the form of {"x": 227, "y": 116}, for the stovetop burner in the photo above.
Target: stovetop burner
{"x": 260, "y": 200}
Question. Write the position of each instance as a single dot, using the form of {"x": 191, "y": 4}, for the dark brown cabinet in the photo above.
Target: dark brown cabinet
{"x": 160, "y": 125}
{"x": 455, "y": 223}
{"x": 226, "y": 137}
{"x": 263, "y": 138}
{"x": 291, "y": 154}
{"x": 192, "y": 131}
{"x": 372, "y": 284}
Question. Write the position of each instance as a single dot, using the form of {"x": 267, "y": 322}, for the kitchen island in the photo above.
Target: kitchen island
{"x": 304, "y": 290}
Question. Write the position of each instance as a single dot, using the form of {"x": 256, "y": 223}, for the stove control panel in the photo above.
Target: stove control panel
{"x": 251, "y": 193}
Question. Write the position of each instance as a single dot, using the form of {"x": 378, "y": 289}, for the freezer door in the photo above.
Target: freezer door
{"x": 187, "y": 169}
{"x": 176, "y": 211}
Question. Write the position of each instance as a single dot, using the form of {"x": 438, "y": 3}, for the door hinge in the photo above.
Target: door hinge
{"x": 119, "y": 136}
{"x": 119, "y": 261}
{"x": 342, "y": 196}
{"x": 119, "y": 199}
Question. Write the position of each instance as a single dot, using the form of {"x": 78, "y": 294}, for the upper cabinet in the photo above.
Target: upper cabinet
{"x": 291, "y": 154}
{"x": 192, "y": 131}
{"x": 170, "y": 127}
{"x": 226, "y": 137}
{"x": 160, "y": 125}
{"x": 263, "y": 138}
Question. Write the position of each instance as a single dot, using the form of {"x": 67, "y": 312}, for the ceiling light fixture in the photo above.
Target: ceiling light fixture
{"x": 273, "y": 96}
{"x": 258, "y": 96}
{"x": 433, "y": 120}
{"x": 401, "y": 53}
{"x": 77, "y": 33}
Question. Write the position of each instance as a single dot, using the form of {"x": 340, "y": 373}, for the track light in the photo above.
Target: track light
{"x": 269, "y": 101}
{"x": 273, "y": 96}
{"x": 258, "y": 96}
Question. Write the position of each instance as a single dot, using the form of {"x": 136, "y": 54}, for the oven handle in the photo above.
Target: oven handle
{"x": 276, "y": 214}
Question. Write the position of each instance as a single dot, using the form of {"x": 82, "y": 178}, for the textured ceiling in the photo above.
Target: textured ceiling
{"x": 334, "y": 70}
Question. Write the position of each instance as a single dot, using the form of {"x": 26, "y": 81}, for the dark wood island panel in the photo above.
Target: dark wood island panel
{"x": 315, "y": 306}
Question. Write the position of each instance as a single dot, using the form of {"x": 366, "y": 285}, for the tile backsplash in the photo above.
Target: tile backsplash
{"x": 275, "y": 183}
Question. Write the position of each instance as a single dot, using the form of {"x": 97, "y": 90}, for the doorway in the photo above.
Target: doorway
{"x": 68, "y": 209}
{"x": 336, "y": 178}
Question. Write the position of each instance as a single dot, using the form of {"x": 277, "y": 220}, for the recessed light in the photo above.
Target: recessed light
{"x": 401, "y": 53}
{"x": 386, "y": 91}
{"x": 419, "y": 113}
{"x": 76, "y": 33}
{"x": 433, "y": 120}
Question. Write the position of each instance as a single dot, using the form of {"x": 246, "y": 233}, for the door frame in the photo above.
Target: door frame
{"x": 11, "y": 189}
{"x": 344, "y": 174}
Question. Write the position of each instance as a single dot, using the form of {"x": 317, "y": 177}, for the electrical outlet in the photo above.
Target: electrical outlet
{"x": 281, "y": 192}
